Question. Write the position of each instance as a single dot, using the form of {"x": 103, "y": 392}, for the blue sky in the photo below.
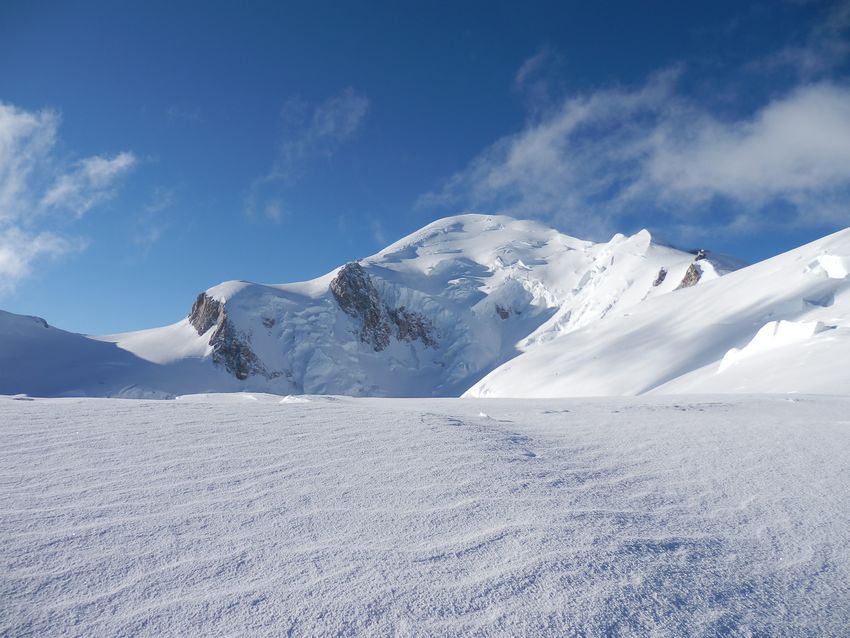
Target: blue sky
{"x": 151, "y": 150}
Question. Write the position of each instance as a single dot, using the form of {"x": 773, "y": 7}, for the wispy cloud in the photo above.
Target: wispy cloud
{"x": 603, "y": 157}
{"x": 184, "y": 113}
{"x": 825, "y": 45}
{"x": 312, "y": 134}
{"x": 88, "y": 183}
{"x": 539, "y": 80}
{"x": 20, "y": 250}
{"x": 26, "y": 142}
{"x": 150, "y": 225}
{"x": 38, "y": 188}
{"x": 379, "y": 235}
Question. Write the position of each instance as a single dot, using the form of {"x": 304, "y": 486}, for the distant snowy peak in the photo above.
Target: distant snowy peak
{"x": 430, "y": 315}
{"x": 436, "y": 310}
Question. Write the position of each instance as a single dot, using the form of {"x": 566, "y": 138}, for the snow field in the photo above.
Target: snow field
{"x": 242, "y": 515}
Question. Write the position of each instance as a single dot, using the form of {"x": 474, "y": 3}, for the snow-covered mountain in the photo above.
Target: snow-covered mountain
{"x": 41, "y": 360}
{"x": 782, "y": 325}
{"x": 429, "y": 315}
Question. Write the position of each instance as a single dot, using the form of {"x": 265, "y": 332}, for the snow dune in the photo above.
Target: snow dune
{"x": 242, "y": 515}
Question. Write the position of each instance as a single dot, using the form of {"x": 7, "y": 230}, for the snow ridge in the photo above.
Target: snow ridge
{"x": 782, "y": 325}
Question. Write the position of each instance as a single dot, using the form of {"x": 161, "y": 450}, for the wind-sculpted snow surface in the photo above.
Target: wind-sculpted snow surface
{"x": 428, "y": 316}
{"x": 250, "y": 515}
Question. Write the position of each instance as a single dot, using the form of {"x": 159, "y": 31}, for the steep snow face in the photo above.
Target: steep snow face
{"x": 782, "y": 325}
{"x": 427, "y": 316}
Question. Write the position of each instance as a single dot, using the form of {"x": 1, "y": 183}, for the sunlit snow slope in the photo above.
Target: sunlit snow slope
{"x": 782, "y": 325}
{"x": 429, "y": 315}
{"x": 41, "y": 360}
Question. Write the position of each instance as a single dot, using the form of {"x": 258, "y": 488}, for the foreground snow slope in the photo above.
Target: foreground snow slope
{"x": 241, "y": 515}
{"x": 782, "y": 325}
{"x": 428, "y": 315}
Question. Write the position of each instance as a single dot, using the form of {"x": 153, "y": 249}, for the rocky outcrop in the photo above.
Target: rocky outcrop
{"x": 412, "y": 326}
{"x": 358, "y": 297}
{"x": 662, "y": 275}
{"x": 503, "y": 312}
{"x": 231, "y": 347}
{"x": 692, "y": 276}
{"x": 206, "y": 313}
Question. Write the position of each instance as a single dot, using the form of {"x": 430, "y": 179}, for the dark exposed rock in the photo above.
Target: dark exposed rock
{"x": 231, "y": 347}
{"x": 662, "y": 275}
{"x": 700, "y": 254}
{"x": 411, "y": 326}
{"x": 503, "y": 312}
{"x": 269, "y": 323}
{"x": 357, "y": 296}
{"x": 206, "y": 312}
{"x": 692, "y": 276}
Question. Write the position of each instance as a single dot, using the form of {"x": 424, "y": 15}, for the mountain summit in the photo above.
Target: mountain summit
{"x": 430, "y": 315}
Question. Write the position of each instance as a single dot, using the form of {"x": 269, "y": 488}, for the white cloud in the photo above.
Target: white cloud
{"x": 611, "y": 154}
{"x": 37, "y": 189}
{"x": 311, "y": 135}
{"x": 88, "y": 183}
{"x": 19, "y": 250}
{"x": 26, "y": 141}
{"x": 797, "y": 145}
